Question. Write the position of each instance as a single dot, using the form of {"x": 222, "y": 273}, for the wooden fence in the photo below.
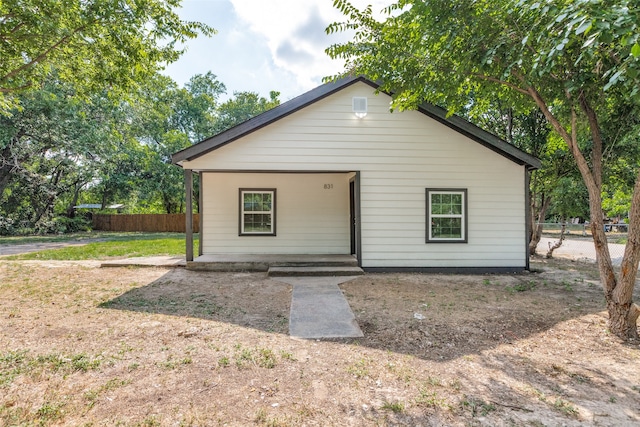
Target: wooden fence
{"x": 144, "y": 222}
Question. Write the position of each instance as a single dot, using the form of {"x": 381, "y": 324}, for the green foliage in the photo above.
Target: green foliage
{"x": 617, "y": 205}
{"x": 63, "y": 224}
{"x": 94, "y": 44}
{"x": 443, "y": 51}
{"x": 570, "y": 199}
{"x": 57, "y": 150}
{"x": 50, "y": 147}
{"x": 242, "y": 107}
{"x": 168, "y": 119}
{"x": 85, "y": 115}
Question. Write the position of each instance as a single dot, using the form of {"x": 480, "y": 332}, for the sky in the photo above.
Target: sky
{"x": 263, "y": 45}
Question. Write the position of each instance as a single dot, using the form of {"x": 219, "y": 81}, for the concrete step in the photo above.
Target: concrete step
{"x": 280, "y": 271}
{"x": 262, "y": 262}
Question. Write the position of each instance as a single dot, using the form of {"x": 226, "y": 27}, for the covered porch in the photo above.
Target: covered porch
{"x": 317, "y": 215}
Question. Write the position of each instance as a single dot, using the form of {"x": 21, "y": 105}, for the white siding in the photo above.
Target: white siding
{"x": 306, "y": 213}
{"x": 398, "y": 155}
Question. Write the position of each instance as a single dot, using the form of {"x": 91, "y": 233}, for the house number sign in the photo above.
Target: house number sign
{"x": 328, "y": 186}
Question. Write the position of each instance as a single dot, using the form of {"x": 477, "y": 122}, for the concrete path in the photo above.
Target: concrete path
{"x": 319, "y": 309}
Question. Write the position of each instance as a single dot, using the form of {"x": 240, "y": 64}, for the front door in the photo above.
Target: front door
{"x": 352, "y": 215}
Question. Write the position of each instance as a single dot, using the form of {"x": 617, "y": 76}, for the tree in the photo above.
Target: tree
{"x": 167, "y": 119}
{"x": 50, "y": 146}
{"x": 94, "y": 44}
{"x": 242, "y": 107}
{"x": 577, "y": 61}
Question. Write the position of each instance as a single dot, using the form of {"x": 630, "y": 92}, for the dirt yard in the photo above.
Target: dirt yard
{"x": 84, "y": 346}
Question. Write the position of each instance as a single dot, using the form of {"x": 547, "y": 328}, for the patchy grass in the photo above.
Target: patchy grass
{"x": 114, "y": 245}
{"x": 83, "y": 346}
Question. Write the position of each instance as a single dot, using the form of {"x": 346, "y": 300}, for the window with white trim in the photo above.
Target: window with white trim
{"x": 257, "y": 212}
{"x": 446, "y": 215}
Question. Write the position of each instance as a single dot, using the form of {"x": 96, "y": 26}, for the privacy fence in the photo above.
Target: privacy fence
{"x": 144, "y": 222}
{"x": 578, "y": 243}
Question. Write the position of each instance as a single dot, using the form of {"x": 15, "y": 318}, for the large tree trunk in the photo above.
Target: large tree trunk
{"x": 623, "y": 313}
{"x": 618, "y": 292}
{"x": 71, "y": 212}
{"x": 620, "y": 301}
{"x": 537, "y": 218}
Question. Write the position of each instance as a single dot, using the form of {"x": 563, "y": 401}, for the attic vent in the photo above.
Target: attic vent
{"x": 360, "y": 106}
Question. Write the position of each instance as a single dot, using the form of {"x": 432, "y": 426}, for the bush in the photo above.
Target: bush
{"x": 7, "y": 226}
{"x": 63, "y": 224}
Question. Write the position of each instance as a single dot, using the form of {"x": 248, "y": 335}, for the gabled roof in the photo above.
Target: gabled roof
{"x": 439, "y": 114}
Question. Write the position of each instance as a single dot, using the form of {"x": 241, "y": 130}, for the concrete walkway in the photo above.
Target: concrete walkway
{"x": 319, "y": 309}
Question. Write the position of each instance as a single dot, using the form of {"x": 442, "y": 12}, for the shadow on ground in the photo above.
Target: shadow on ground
{"x": 433, "y": 317}
{"x": 244, "y": 299}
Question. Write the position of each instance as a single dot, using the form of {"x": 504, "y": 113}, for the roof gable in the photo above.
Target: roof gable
{"x": 439, "y": 114}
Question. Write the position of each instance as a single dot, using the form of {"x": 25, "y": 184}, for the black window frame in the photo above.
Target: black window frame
{"x": 241, "y": 211}
{"x": 464, "y": 215}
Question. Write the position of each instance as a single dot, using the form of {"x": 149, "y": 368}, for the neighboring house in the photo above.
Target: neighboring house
{"x": 334, "y": 171}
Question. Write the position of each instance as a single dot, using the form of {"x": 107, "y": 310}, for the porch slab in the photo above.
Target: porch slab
{"x": 262, "y": 262}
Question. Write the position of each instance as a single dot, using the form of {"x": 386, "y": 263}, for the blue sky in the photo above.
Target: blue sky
{"x": 262, "y": 45}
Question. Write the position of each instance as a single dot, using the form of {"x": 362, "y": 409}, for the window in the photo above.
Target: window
{"x": 257, "y": 212}
{"x": 446, "y": 215}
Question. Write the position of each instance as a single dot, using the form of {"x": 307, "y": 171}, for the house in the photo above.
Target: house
{"x": 334, "y": 171}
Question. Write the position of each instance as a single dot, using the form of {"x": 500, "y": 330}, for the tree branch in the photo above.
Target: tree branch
{"x": 502, "y": 82}
{"x": 3, "y": 36}
{"x": 43, "y": 55}
{"x": 15, "y": 89}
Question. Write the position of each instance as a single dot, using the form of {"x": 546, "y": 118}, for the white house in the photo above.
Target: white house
{"x": 334, "y": 171}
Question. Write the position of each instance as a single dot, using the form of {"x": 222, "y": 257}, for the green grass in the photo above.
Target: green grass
{"x": 116, "y": 245}
{"x": 396, "y": 407}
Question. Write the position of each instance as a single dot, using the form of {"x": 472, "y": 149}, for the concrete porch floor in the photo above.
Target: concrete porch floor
{"x": 262, "y": 262}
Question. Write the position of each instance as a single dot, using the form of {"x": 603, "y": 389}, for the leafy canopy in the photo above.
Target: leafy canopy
{"x": 95, "y": 44}
{"x": 442, "y": 50}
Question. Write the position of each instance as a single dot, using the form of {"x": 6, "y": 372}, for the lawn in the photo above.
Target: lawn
{"x": 99, "y": 246}
{"x": 85, "y": 346}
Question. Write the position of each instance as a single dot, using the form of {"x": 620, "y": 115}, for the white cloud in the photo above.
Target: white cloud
{"x": 263, "y": 45}
{"x": 294, "y": 32}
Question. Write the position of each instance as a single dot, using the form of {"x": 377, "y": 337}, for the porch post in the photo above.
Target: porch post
{"x": 188, "y": 185}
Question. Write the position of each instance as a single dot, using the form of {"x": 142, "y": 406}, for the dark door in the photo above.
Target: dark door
{"x": 352, "y": 215}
